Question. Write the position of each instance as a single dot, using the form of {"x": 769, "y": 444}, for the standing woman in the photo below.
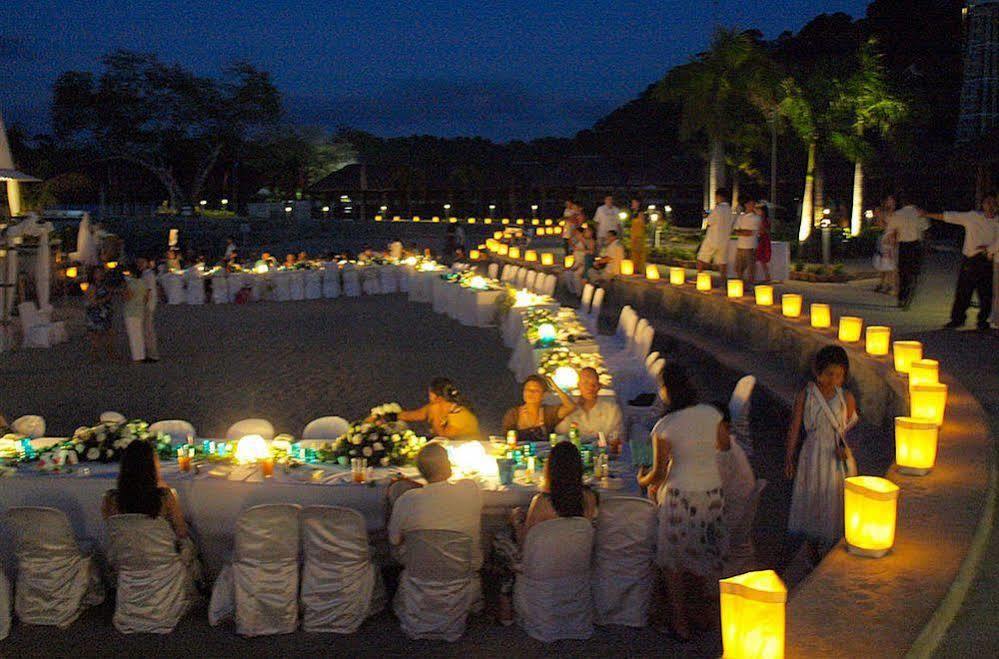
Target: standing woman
{"x": 590, "y": 249}
{"x": 639, "y": 242}
{"x": 99, "y": 315}
{"x": 693, "y": 538}
{"x": 764, "y": 249}
{"x": 885, "y": 257}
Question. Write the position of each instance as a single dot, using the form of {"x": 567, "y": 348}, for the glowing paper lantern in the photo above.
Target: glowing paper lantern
{"x": 474, "y": 255}
{"x": 924, "y": 371}
{"x": 546, "y": 333}
{"x": 514, "y": 252}
{"x": 928, "y": 401}
{"x": 704, "y": 281}
{"x": 850, "y": 328}
{"x": 735, "y": 288}
{"x": 71, "y": 272}
{"x": 435, "y": 219}
{"x": 820, "y": 315}
{"x": 502, "y": 249}
{"x": 416, "y": 218}
{"x": 570, "y": 261}
{"x": 905, "y": 353}
{"x": 915, "y": 445}
{"x": 378, "y": 218}
{"x": 870, "y": 507}
{"x": 790, "y": 304}
{"x": 764, "y": 296}
{"x": 111, "y": 265}
{"x": 497, "y": 235}
{"x": 468, "y": 458}
{"x": 566, "y": 378}
{"x": 471, "y": 220}
{"x": 677, "y": 276}
{"x": 752, "y": 615}
{"x": 396, "y": 218}
{"x": 84, "y": 286}
{"x": 627, "y": 267}
{"x": 251, "y": 448}
{"x": 530, "y": 255}
{"x": 652, "y": 272}
{"x": 547, "y": 258}
{"x": 505, "y": 220}
{"x": 878, "y": 340}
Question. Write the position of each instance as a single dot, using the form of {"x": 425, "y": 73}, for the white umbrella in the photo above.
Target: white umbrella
{"x": 10, "y": 174}
{"x": 86, "y": 247}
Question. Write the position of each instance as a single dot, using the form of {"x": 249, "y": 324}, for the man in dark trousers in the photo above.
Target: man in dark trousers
{"x": 908, "y": 225}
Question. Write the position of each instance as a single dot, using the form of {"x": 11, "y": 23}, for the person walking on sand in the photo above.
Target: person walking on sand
{"x": 148, "y": 324}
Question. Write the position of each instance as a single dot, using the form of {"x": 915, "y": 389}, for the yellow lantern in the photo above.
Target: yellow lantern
{"x": 502, "y": 249}
{"x": 111, "y": 265}
{"x": 548, "y": 222}
{"x": 539, "y": 232}
{"x": 474, "y": 255}
{"x": 251, "y": 448}
{"x": 752, "y": 615}
{"x": 704, "y": 281}
{"x": 627, "y": 267}
{"x": 790, "y": 304}
{"x": 530, "y": 255}
{"x": 915, "y": 445}
{"x": 547, "y": 258}
{"x": 471, "y": 220}
{"x": 570, "y": 261}
{"x": 905, "y": 353}
{"x": 378, "y": 218}
{"x": 84, "y": 286}
{"x": 488, "y": 220}
{"x": 677, "y": 276}
{"x": 764, "y": 295}
{"x": 928, "y": 401}
{"x": 735, "y": 288}
{"x": 878, "y": 340}
{"x": 924, "y": 371}
{"x": 435, "y": 219}
{"x": 870, "y": 506}
{"x": 850, "y": 328}
{"x": 498, "y": 235}
{"x": 520, "y": 220}
{"x": 820, "y": 315}
{"x": 71, "y": 272}
{"x": 535, "y": 222}
{"x": 652, "y": 272}
{"x": 514, "y": 252}
{"x": 396, "y": 218}
{"x": 505, "y": 220}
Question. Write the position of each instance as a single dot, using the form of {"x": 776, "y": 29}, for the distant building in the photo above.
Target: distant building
{"x": 980, "y": 87}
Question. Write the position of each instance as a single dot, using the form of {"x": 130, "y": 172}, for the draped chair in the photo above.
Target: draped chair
{"x": 323, "y": 430}
{"x": 331, "y": 280}
{"x": 351, "y": 282}
{"x": 313, "y": 284}
{"x": 624, "y": 561}
{"x": 587, "y": 298}
{"x": 296, "y": 285}
{"x": 388, "y": 278}
{"x": 180, "y": 431}
{"x": 194, "y": 286}
{"x": 493, "y": 270}
{"x": 173, "y": 286}
{"x": 220, "y": 288}
{"x": 739, "y": 408}
{"x": 282, "y": 285}
{"x": 245, "y": 427}
{"x": 111, "y": 416}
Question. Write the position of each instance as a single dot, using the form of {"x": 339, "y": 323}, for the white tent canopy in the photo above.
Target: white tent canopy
{"x": 9, "y": 173}
{"x": 86, "y": 243}
{"x": 31, "y": 226}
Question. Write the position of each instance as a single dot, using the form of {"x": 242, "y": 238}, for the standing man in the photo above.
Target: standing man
{"x": 714, "y": 248}
{"x": 747, "y": 228}
{"x": 981, "y": 231}
{"x": 607, "y": 218}
{"x": 148, "y": 327}
{"x": 136, "y": 295}
{"x": 230, "y": 251}
{"x": 907, "y": 225}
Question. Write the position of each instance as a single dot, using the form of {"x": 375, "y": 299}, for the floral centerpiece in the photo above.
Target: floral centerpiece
{"x": 560, "y": 356}
{"x": 104, "y": 443}
{"x": 382, "y": 439}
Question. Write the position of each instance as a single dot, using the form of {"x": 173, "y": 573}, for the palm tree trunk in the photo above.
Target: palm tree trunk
{"x": 735, "y": 188}
{"x": 858, "y": 198}
{"x": 805, "y": 228}
{"x": 716, "y": 171}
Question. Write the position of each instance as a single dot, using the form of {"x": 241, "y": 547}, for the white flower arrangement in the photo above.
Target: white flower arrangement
{"x": 386, "y": 410}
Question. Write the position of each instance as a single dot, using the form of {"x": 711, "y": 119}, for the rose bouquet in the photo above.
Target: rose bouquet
{"x": 106, "y": 441}
{"x": 380, "y": 441}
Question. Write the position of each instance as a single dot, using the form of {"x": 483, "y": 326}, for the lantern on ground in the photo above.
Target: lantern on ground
{"x": 915, "y": 445}
{"x": 566, "y": 378}
{"x": 531, "y": 256}
{"x": 547, "y": 258}
{"x": 652, "y": 272}
{"x": 790, "y": 304}
{"x": 570, "y": 261}
{"x": 850, "y": 328}
{"x": 677, "y": 276}
{"x": 752, "y": 615}
{"x": 820, "y": 315}
{"x": 704, "y": 281}
{"x": 416, "y": 218}
{"x": 735, "y": 288}
{"x": 764, "y": 296}
{"x": 627, "y": 267}
{"x": 514, "y": 252}
{"x": 878, "y": 340}
{"x": 870, "y": 507}
{"x": 906, "y": 352}
{"x": 502, "y": 249}
{"x": 924, "y": 371}
{"x": 928, "y": 401}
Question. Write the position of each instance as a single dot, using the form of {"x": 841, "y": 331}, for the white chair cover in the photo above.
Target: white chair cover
{"x": 331, "y": 280}
{"x": 624, "y": 561}
{"x": 505, "y": 272}
{"x": 238, "y": 281}
{"x": 245, "y": 427}
{"x": 742, "y": 551}
{"x": 437, "y": 586}
{"x": 325, "y": 428}
{"x": 388, "y": 278}
{"x": 296, "y": 284}
{"x": 493, "y": 270}
{"x": 30, "y": 425}
{"x": 260, "y": 586}
{"x": 552, "y": 593}
{"x": 4, "y": 605}
{"x": 548, "y": 287}
{"x": 522, "y": 278}
{"x": 54, "y": 579}
{"x": 38, "y": 332}
{"x": 369, "y": 280}
{"x": 155, "y": 589}
{"x": 194, "y": 286}
{"x": 643, "y": 341}
{"x": 587, "y": 299}
{"x": 110, "y": 416}
{"x": 313, "y": 284}
{"x": 340, "y": 585}
{"x": 529, "y": 281}
{"x": 220, "y": 288}
{"x": 173, "y": 286}
{"x": 282, "y": 285}
{"x": 351, "y": 282}
{"x": 180, "y": 431}
{"x": 405, "y": 277}
{"x": 593, "y": 319}
{"x": 738, "y": 408}
{"x": 651, "y": 358}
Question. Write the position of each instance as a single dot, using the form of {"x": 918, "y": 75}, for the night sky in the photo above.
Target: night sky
{"x": 503, "y": 70}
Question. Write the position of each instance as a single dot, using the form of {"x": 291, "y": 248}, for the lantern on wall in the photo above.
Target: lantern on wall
{"x": 502, "y": 249}
{"x": 764, "y": 296}
{"x": 652, "y": 272}
{"x": 474, "y": 255}
{"x": 704, "y": 281}
{"x": 878, "y": 340}
{"x": 530, "y": 256}
{"x": 820, "y": 315}
{"x": 870, "y": 507}
{"x": 677, "y": 276}
{"x": 514, "y": 252}
{"x": 570, "y": 261}
{"x": 627, "y": 267}
{"x": 790, "y": 304}
{"x": 906, "y": 352}
{"x": 547, "y": 258}
{"x": 928, "y": 401}
{"x": 752, "y": 615}
{"x": 915, "y": 445}
{"x": 924, "y": 371}
{"x": 735, "y": 288}
{"x": 850, "y": 328}
{"x": 71, "y": 272}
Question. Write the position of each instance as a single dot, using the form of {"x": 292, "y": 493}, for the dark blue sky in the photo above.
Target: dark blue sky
{"x": 503, "y": 70}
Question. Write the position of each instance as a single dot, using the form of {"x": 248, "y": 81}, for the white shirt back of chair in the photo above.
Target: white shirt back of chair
{"x": 493, "y": 271}
{"x": 351, "y": 282}
{"x": 388, "y": 278}
{"x": 296, "y": 285}
{"x": 331, "y": 280}
{"x": 5, "y": 605}
{"x": 742, "y": 551}
{"x": 739, "y": 409}
{"x": 220, "y": 288}
{"x": 173, "y": 286}
{"x": 340, "y": 585}
{"x": 552, "y": 595}
{"x": 323, "y": 431}
{"x": 624, "y": 561}
{"x": 530, "y": 279}
{"x": 55, "y": 580}
{"x": 111, "y": 416}
{"x": 587, "y": 299}
{"x": 180, "y": 431}
{"x": 313, "y": 284}
{"x": 436, "y": 588}
{"x": 155, "y": 590}
{"x": 194, "y": 286}
{"x": 245, "y": 427}
{"x": 30, "y": 425}
{"x": 260, "y": 586}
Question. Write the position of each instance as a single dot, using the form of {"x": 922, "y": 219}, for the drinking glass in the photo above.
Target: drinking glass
{"x": 359, "y": 468}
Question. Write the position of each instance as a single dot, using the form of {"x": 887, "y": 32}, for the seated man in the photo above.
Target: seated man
{"x": 608, "y": 264}
{"x": 439, "y": 505}
{"x": 594, "y": 415}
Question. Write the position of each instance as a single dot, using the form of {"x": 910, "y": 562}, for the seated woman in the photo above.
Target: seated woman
{"x": 534, "y": 420}
{"x": 289, "y": 261}
{"x": 563, "y": 495}
{"x": 448, "y": 412}
{"x": 141, "y": 490}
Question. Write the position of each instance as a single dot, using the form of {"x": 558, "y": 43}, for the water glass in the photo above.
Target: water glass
{"x": 359, "y": 469}
{"x": 505, "y": 467}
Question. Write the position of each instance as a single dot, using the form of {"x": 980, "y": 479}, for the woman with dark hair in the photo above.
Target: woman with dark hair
{"x": 141, "y": 490}
{"x": 764, "y": 248}
{"x": 98, "y": 312}
{"x": 449, "y": 413}
{"x": 534, "y": 420}
{"x": 685, "y": 482}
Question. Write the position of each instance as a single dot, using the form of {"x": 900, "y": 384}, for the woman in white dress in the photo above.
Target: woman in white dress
{"x": 826, "y": 412}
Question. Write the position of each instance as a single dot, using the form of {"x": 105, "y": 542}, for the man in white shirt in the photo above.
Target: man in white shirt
{"x": 607, "y": 218}
{"x": 439, "y": 505}
{"x": 908, "y": 225}
{"x": 714, "y": 248}
{"x": 593, "y": 415}
{"x": 981, "y": 230}
{"x": 608, "y": 264}
{"x": 747, "y": 228}
{"x": 148, "y": 326}
{"x": 230, "y": 250}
